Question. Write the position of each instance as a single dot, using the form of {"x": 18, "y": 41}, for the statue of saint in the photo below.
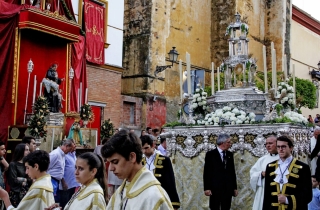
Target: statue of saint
{"x": 51, "y": 83}
{"x": 75, "y": 133}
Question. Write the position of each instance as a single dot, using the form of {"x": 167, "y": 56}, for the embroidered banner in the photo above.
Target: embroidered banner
{"x": 94, "y": 22}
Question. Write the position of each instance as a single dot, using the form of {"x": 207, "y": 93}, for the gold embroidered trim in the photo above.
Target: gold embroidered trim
{"x": 291, "y": 185}
{"x": 39, "y": 195}
{"x": 163, "y": 196}
{"x": 157, "y": 175}
{"x": 158, "y": 204}
{"x": 294, "y": 175}
{"x": 294, "y": 202}
{"x": 158, "y": 161}
{"x": 175, "y": 203}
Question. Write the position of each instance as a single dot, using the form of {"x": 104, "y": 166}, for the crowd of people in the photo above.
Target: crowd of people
{"x": 128, "y": 172}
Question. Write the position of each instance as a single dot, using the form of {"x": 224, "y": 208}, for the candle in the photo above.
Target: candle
{"x": 275, "y": 70}
{"x": 78, "y": 99}
{"x": 294, "y": 83}
{"x": 181, "y": 80}
{"x": 40, "y": 91}
{"x": 272, "y": 64}
{"x": 188, "y": 73}
{"x": 86, "y": 96}
{"x": 264, "y": 53}
{"x": 285, "y": 66}
{"x": 34, "y": 89}
{"x": 218, "y": 75}
{"x": 212, "y": 78}
{"x": 60, "y": 136}
{"x": 80, "y": 95}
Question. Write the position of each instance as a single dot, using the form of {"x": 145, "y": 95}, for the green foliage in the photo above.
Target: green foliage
{"x": 305, "y": 93}
{"x": 279, "y": 107}
{"x": 259, "y": 80}
{"x": 107, "y": 129}
{"x": 174, "y": 124}
{"x": 38, "y": 121}
{"x": 208, "y": 90}
{"x": 86, "y": 112}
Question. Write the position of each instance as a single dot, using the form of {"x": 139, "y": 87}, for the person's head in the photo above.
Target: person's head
{"x": 36, "y": 163}
{"x": 124, "y": 153}
{"x": 284, "y": 147}
{"x": 149, "y": 130}
{"x": 131, "y": 131}
{"x": 20, "y": 152}
{"x": 31, "y": 142}
{"x": 67, "y": 145}
{"x": 143, "y": 132}
{"x": 316, "y": 132}
{"x": 314, "y": 181}
{"x": 156, "y": 132}
{"x": 104, "y": 141}
{"x": 163, "y": 142}
{"x": 90, "y": 166}
{"x": 2, "y": 149}
{"x": 224, "y": 141}
{"x": 271, "y": 144}
{"x": 162, "y": 130}
{"x": 147, "y": 145}
{"x": 116, "y": 131}
{"x": 54, "y": 66}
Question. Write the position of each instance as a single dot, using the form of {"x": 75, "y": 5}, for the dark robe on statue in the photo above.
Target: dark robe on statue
{"x": 52, "y": 97}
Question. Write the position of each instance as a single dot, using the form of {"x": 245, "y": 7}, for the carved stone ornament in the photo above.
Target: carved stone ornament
{"x": 191, "y": 141}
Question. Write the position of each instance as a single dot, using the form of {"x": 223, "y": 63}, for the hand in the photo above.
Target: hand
{"x": 64, "y": 186}
{"x": 207, "y": 192}
{"x": 235, "y": 193}
{"x": 52, "y": 206}
{"x": 282, "y": 199}
{"x": 263, "y": 173}
{"x": 62, "y": 79}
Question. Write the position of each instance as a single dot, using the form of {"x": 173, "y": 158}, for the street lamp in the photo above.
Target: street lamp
{"x": 30, "y": 69}
{"x": 71, "y": 75}
{"x": 173, "y": 56}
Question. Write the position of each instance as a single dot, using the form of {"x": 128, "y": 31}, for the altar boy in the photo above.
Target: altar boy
{"x": 40, "y": 194}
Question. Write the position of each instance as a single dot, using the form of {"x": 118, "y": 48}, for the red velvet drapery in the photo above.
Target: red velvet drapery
{"x": 94, "y": 22}
{"x": 78, "y": 63}
{"x": 8, "y": 23}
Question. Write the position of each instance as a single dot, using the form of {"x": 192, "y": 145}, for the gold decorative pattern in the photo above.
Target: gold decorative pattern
{"x": 180, "y": 141}
{"x": 249, "y": 138}
{"x": 53, "y": 15}
{"x": 269, "y": 134}
{"x": 234, "y": 138}
{"x": 198, "y": 139}
{"x": 15, "y": 65}
{"x": 295, "y": 170}
{"x": 100, "y": 11}
{"x": 212, "y": 139}
{"x": 87, "y": 6}
{"x": 99, "y": 59}
{"x": 14, "y": 133}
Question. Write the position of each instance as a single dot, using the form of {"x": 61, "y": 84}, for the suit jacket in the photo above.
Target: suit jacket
{"x": 298, "y": 190}
{"x": 164, "y": 173}
{"x": 217, "y": 176}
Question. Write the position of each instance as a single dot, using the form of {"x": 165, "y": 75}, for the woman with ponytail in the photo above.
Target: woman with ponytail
{"x": 90, "y": 173}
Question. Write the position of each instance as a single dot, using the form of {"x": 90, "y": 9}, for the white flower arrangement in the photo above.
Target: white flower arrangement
{"x": 229, "y": 115}
{"x": 199, "y": 101}
{"x": 296, "y": 117}
{"x": 285, "y": 95}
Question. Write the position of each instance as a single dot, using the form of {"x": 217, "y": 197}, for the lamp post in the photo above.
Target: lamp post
{"x": 173, "y": 56}
{"x": 30, "y": 69}
{"x": 71, "y": 75}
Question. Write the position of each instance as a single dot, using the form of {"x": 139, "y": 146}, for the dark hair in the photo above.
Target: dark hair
{"x": 27, "y": 139}
{"x": 123, "y": 143}
{"x": 162, "y": 140}
{"x": 2, "y": 143}
{"x": 104, "y": 140}
{"x": 95, "y": 161}
{"x": 39, "y": 157}
{"x": 18, "y": 152}
{"x": 286, "y": 139}
{"x": 146, "y": 139}
{"x": 142, "y": 132}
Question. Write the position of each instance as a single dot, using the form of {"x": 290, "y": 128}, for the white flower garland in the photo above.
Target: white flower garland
{"x": 296, "y": 117}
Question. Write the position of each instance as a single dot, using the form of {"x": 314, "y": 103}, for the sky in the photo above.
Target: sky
{"x": 310, "y": 6}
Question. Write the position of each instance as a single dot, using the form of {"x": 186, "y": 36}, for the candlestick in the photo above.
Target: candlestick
{"x": 285, "y": 66}
{"x": 188, "y": 73}
{"x": 181, "y": 80}
{"x": 272, "y": 64}
{"x": 86, "y": 96}
{"x": 264, "y": 53}
{"x": 275, "y": 70}
{"x": 34, "y": 89}
{"x": 294, "y": 83}
{"x": 212, "y": 78}
{"x": 218, "y": 75}
{"x": 40, "y": 91}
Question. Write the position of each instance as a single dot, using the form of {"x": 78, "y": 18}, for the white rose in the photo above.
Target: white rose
{"x": 283, "y": 91}
{"x": 197, "y": 90}
{"x": 239, "y": 122}
{"x": 199, "y": 99}
{"x": 198, "y": 121}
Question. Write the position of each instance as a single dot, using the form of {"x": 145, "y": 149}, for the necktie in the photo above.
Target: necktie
{"x": 224, "y": 158}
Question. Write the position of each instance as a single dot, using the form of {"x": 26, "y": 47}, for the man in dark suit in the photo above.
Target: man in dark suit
{"x": 219, "y": 176}
{"x": 287, "y": 180}
{"x": 162, "y": 169}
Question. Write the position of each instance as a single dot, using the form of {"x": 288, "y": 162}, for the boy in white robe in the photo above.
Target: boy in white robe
{"x": 257, "y": 172}
{"x": 140, "y": 189}
{"x": 40, "y": 194}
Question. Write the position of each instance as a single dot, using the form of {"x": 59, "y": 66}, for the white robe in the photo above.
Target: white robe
{"x": 143, "y": 192}
{"x": 257, "y": 184}
{"x": 89, "y": 197}
{"x": 39, "y": 196}
{"x": 313, "y": 142}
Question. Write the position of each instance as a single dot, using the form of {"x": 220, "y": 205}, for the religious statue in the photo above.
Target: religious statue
{"x": 60, "y": 99}
{"x": 51, "y": 83}
{"x": 75, "y": 133}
